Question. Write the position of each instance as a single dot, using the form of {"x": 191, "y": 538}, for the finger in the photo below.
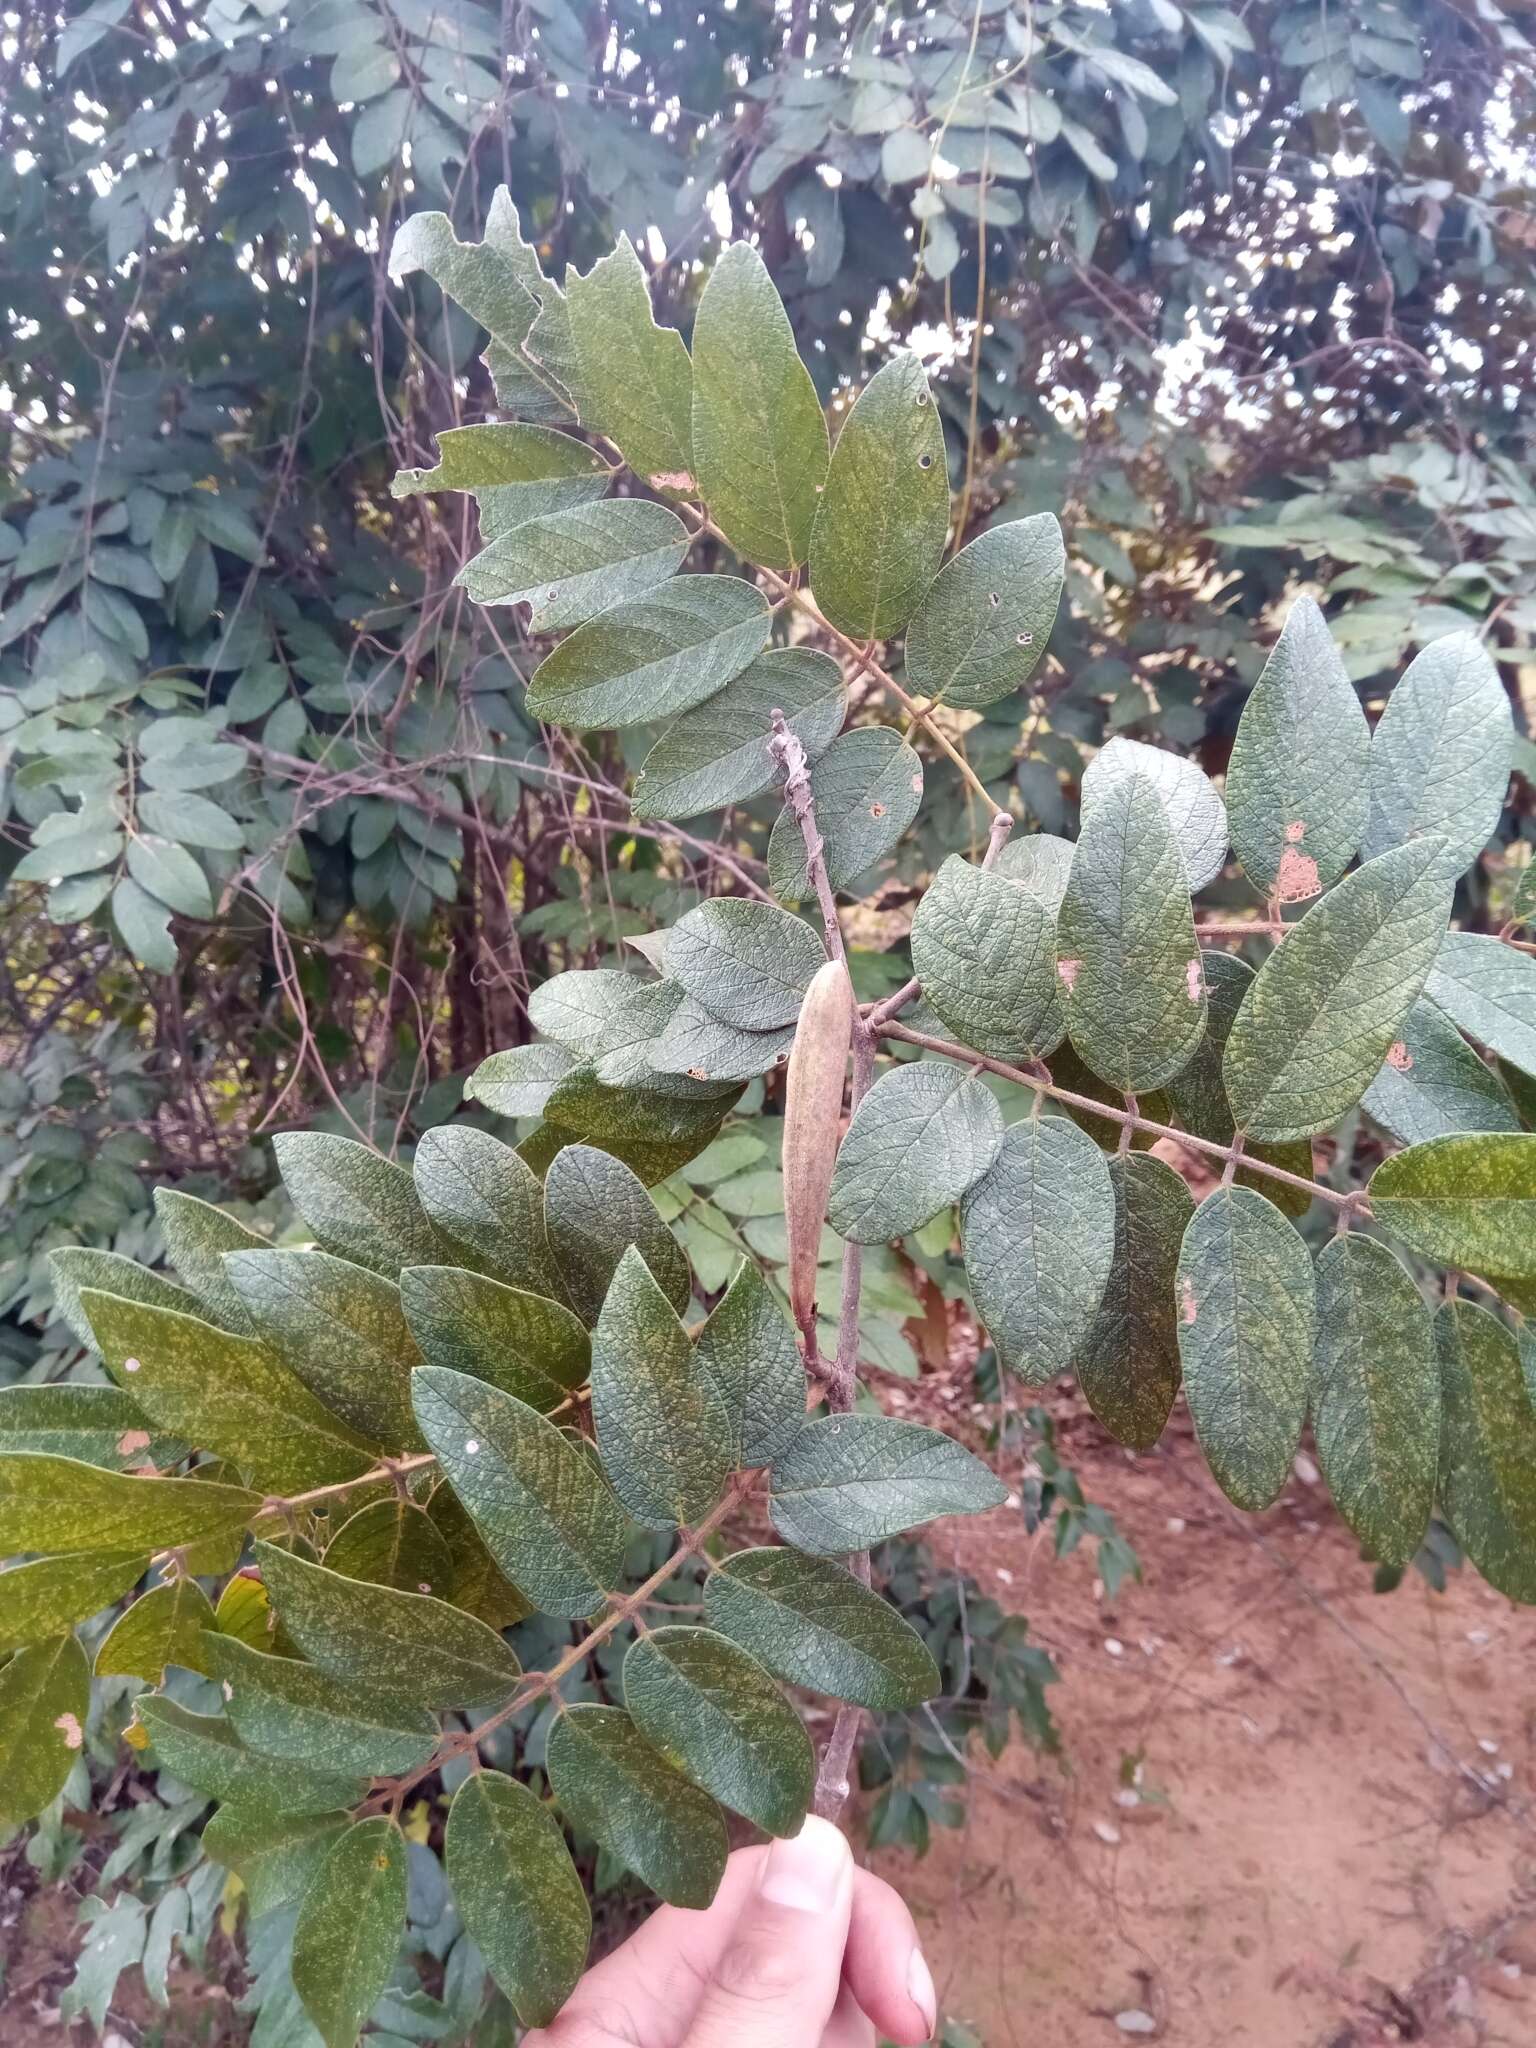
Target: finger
{"x": 779, "y": 1974}
{"x": 848, "y": 2027}
{"x": 884, "y": 1965}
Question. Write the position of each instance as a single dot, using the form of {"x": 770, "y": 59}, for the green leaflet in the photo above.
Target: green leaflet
{"x": 1375, "y": 1397}
{"x": 717, "y": 753}
{"x": 528, "y": 1346}
{"x": 1317, "y": 1022}
{"x": 341, "y": 1329}
{"x": 651, "y": 1160}
{"x": 1038, "y": 1231}
{"x": 1297, "y": 793}
{"x": 163, "y": 1626}
{"x": 349, "y": 1928}
{"x": 1488, "y": 990}
{"x": 204, "y": 1752}
{"x": 653, "y": 656}
{"x": 144, "y": 926}
{"x": 171, "y": 874}
{"x": 594, "y": 1209}
{"x": 483, "y": 1199}
{"x": 1464, "y": 1201}
{"x": 225, "y": 1393}
{"x": 662, "y": 1427}
{"x": 580, "y": 1008}
{"x": 53, "y": 1593}
{"x": 45, "y": 1696}
{"x": 393, "y": 1543}
{"x": 759, "y": 437}
{"x": 920, "y": 1140}
{"x": 498, "y": 281}
{"x": 197, "y": 1235}
{"x": 572, "y": 562}
{"x": 1128, "y": 1364}
{"x": 1433, "y": 1083}
{"x": 59, "y": 1504}
{"x": 547, "y": 1516}
{"x": 360, "y": 1206}
{"x": 1040, "y": 863}
{"x": 985, "y": 618}
{"x": 749, "y": 964}
{"x": 849, "y": 1481}
{"x": 516, "y": 1083}
{"x": 293, "y": 1712}
{"x": 1440, "y": 755}
{"x": 274, "y": 1855}
{"x": 615, "y": 1787}
{"x": 713, "y": 1711}
{"x": 624, "y": 1055}
{"x": 1125, "y": 942}
{"x": 438, "y": 1656}
{"x": 749, "y": 1351}
{"x": 1246, "y": 1321}
{"x": 99, "y": 1425}
{"x": 1487, "y": 1447}
{"x": 77, "y": 1265}
{"x": 865, "y": 792}
{"x": 523, "y": 1904}
{"x": 812, "y": 1622}
{"x": 631, "y": 379}
{"x": 697, "y": 1044}
{"x": 479, "y": 1587}
{"x": 1195, "y": 811}
{"x": 984, "y": 951}
{"x": 244, "y": 1612}
{"x": 884, "y": 511}
{"x": 496, "y": 453}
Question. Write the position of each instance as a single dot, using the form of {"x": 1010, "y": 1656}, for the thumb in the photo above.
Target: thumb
{"x": 777, "y": 1979}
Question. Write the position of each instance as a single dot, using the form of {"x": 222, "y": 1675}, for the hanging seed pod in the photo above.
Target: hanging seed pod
{"x": 813, "y": 1105}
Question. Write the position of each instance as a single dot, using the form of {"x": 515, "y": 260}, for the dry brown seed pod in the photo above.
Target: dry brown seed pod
{"x": 813, "y": 1106}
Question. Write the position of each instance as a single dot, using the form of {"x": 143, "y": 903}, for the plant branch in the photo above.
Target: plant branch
{"x": 880, "y": 1014}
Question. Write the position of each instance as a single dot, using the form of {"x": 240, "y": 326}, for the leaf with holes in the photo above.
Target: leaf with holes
{"x": 984, "y": 952}
{"x": 1440, "y": 755}
{"x": 1464, "y": 1201}
{"x": 981, "y": 628}
{"x": 865, "y": 792}
{"x": 920, "y": 1140}
{"x": 99, "y": 1425}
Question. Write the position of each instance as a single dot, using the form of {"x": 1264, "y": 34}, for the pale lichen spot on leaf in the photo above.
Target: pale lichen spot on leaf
{"x": 1399, "y": 1056}
{"x": 1194, "y": 985}
{"x": 73, "y": 1735}
{"x": 1190, "y": 1311}
{"x": 671, "y": 480}
{"x": 132, "y": 1440}
{"x": 130, "y": 1365}
{"x": 1297, "y": 876}
{"x": 471, "y": 1446}
{"x": 1068, "y": 970}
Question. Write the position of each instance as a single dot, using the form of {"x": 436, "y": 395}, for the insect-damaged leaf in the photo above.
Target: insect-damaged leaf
{"x": 865, "y": 792}
{"x": 1038, "y": 1231}
{"x": 1433, "y": 1084}
{"x": 523, "y": 1904}
{"x": 759, "y": 436}
{"x": 984, "y": 951}
{"x": 1297, "y": 781}
{"x": 349, "y": 1928}
{"x": 717, "y": 753}
{"x": 289, "y": 1710}
{"x": 884, "y": 511}
{"x": 205, "y": 1753}
{"x": 749, "y": 1352}
{"x": 1376, "y": 1396}
{"x": 615, "y": 1787}
{"x": 1488, "y": 989}
{"x": 1440, "y": 754}
{"x": 523, "y": 1343}
{"x": 1125, "y": 943}
{"x": 572, "y": 562}
{"x": 631, "y": 379}
{"x": 1327, "y": 1004}
{"x": 714, "y": 1712}
{"x": 812, "y": 1622}
{"x": 163, "y": 1626}
{"x": 1128, "y": 1364}
{"x": 495, "y": 454}
{"x": 1464, "y": 1201}
{"x": 45, "y": 1695}
{"x": 849, "y": 1481}
{"x": 359, "y": 1206}
{"x": 1195, "y": 811}
{"x": 548, "y": 1518}
{"x": 1246, "y": 1320}
{"x": 60, "y": 1504}
{"x": 748, "y": 963}
{"x": 594, "y": 1209}
{"x": 983, "y": 623}
{"x": 1487, "y": 1474}
{"x": 653, "y": 656}
{"x": 920, "y": 1140}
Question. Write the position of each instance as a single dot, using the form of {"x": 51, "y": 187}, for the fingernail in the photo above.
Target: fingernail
{"x": 920, "y": 1989}
{"x": 809, "y": 1871}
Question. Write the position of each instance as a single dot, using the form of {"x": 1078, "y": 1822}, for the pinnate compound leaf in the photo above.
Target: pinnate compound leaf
{"x": 360, "y": 1206}
{"x": 865, "y": 791}
{"x": 717, "y": 753}
{"x": 197, "y": 1235}
{"x": 884, "y": 511}
{"x": 393, "y": 1543}
{"x": 1440, "y": 754}
{"x": 576, "y": 560}
{"x": 518, "y": 1082}
{"x": 594, "y": 1210}
{"x": 631, "y": 379}
{"x": 523, "y": 1904}
{"x": 291, "y": 1711}
{"x": 488, "y": 1205}
{"x": 45, "y": 1695}
{"x": 51, "y": 1594}
{"x": 62, "y": 1505}
{"x": 983, "y": 623}
{"x": 810, "y": 1621}
{"x": 849, "y": 1481}
{"x": 1195, "y": 810}
{"x": 1488, "y": 990}
{"x": 1038, "y": 1231}
{"x": 749, "y": 964}
{"x": 1247, "y": 1314}
{"x": 749, "y": 1352}
{"x": 1128, "y": 1364}
{"x": 920, "y": 1140}
{"x": 1433, "y": 1084}
{"x": 1465, "y": 1200}
{"x": 349, "y": 1928}
{"x": 662, "y": 1426}
{"x": 205, "y": 1753}
{"x": 1487, "y": 1477}
{"x": 496, "y": 453}
{"x": 99, "y": 1425}
{"x": 713, "y": 1711}
{"x": 1297, "y": 794}
{"x": 759, "y": 437}
{"x": 1376, "y": 1396}
{"x": 615, "y": 1787}
{"x": 984, "y": 951}
{"x": 528, "y": 1346}
{"x": 653, "y": 656}
{"x": 76, "y": 1266}
{"x": 273, "y": 1854}
{"x": 434, "y": 1654}
{"x": 546, "y": 1515}
{"x": 163, "y": 1626}
{"x": 1328, "y": 1003}
{"x": 1126, "y": 950}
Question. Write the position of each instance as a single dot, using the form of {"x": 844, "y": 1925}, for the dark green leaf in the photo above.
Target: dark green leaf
{"x": 865, "y": 792}
{"x": 717, "y": 754}
{"x": 1487, "y": 1447}
{"x": 349, "y": 1928}
{"x": 1464, "y": 1201}
{"x": 45, "y": 1695}
{"x": 696, "y": 1044}
{"x": 1040, "y": 863}
{"x": 652, "y": 657}
{"x": 171, "y": 875}
{"x": 1433, "y": 1083}
{"x": 394, "y": 1543}
{"x": 197, "y": 1236}
{"x": 1195, "y": 811}
{"x": 749, "y": 1351}
{"x": 485, "y": 1202}
{"x": 77, "y": 1265}
{"x": 61, "y": 1504}
{"x": 53, "y": 1593}
{"x": 849, "y": 1481}
{"x": 297, "y": 1714}
{"x": 1440, "y": 755}
{"x": 1488, "y": 990}
{"x": 163, "y": 1626}
{"x": 983, "y": 623}
{"x": 144, "y": 925}
{"x": 813, "y": 1623}
{"x": 920, "y": 1140}
{"x": 1128, "y": 1364}
{"x": 748, "y": 963}
{"x": 360, "y": 1206}
{"x": 594, "y": 1209}
{"x": 514, "y": 1883}
{"x": 274, "y": 1854}
{"x": 526, "y": 1345}
{"x": 623, "y": 1119}
{"x": 615, "y": 1787}
{"x": 203, "y": 1751}
{"x": 984, "y": 950}
{"x": 100, "y": 1425}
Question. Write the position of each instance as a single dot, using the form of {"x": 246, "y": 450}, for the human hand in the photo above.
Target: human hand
{"x": 800, "y": 1949}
